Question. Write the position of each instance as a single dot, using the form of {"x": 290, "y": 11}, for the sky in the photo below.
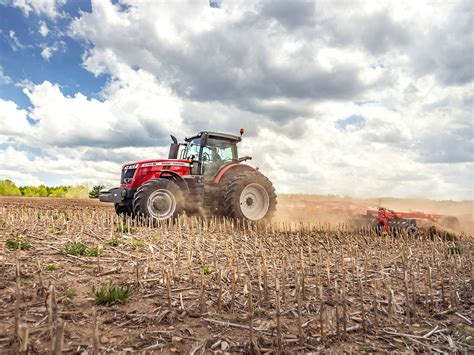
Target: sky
{"x": 354, "y": 98}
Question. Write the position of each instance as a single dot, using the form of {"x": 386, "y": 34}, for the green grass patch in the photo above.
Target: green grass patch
{"x": 207, "y": 270}
{"x": 111, "y": 294}
{"x": 137, "y": 244}
{"x": 116, "y": 242}
{"x": 70, "y": 293}
{"x": 74, "y": 248}
{"x": 78, "y": 248}
{"x": 466, "y": 334}
{"x": 468, "y": 341}
{"x": 18, "y": 242}
{"x": 51, "y": 267}
{"x": 94, "y": 251}
{"x": 23, "y": 282}
{"x": 455, "y": 250}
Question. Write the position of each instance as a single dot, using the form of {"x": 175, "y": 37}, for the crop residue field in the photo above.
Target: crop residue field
{"x": 74, "y": 276}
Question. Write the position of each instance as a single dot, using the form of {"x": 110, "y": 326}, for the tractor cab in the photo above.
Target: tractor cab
{"x": 208, "y": 152}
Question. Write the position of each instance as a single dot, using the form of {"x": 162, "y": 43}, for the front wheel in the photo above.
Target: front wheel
{"x": 159, "y": 199}
{"x": 249, "y": 196}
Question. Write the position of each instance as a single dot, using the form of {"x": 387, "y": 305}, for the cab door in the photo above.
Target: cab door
{"x": 194, "y": 152}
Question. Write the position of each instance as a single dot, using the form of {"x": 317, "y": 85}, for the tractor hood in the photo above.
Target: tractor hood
{"x": 155, "y": 162}
{"x": 137, "y": 173}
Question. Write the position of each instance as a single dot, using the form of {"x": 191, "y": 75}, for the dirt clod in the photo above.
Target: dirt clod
{"x": 224, "y": 346}
{"x": 176, "y": 339}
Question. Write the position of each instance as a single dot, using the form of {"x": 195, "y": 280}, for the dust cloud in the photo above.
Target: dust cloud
{"x": 334, "y": 211}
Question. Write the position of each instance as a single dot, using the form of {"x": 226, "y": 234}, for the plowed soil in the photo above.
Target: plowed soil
{"x": 339, "y": 289}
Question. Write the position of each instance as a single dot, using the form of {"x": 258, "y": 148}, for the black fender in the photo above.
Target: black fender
{"x": 232, "y": 167}
{"x": 178, "y": 179}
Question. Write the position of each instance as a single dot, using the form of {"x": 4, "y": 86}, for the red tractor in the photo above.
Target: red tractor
{"x": 207, "y": 178}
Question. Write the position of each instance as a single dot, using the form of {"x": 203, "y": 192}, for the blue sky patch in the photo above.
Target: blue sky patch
{"x": 367, "y": 103}
{"x": 215, "y": 4}
{"x": 22, "y": 58}
{"x": 31, "y": 152}
{"x": 353, "y": 120}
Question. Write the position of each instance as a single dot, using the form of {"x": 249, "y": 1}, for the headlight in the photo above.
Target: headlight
{"x": 128, "y": 167}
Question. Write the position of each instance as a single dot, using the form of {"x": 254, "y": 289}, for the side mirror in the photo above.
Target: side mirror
{"x": 204, "y": 139}
{"x": 174, "y": 148}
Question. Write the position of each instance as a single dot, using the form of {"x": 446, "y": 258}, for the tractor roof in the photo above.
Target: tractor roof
{"x": 217, "y": 135}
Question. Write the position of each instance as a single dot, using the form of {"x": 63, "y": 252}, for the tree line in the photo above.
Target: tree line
{"x": 9, "y": 188}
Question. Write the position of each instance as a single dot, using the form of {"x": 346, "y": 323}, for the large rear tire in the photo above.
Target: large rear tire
{"x": 249, "y": 196}
{"x": 159, "y": 199}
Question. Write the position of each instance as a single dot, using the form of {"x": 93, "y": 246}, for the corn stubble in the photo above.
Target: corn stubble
{"x": 280, "y": 287}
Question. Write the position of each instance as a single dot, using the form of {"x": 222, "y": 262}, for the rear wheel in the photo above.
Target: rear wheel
{"x": 249, "y": 196}
{"x": 158, "y": 199}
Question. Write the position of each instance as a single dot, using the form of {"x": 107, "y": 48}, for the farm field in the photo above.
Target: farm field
{"x": 215, "y": 287}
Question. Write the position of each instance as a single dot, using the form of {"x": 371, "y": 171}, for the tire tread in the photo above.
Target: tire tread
{"x": 144, "y": 191}
{"x": 233, "y": 184}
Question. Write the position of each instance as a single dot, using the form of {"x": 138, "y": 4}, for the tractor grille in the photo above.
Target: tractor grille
{"x": 127, "y": 175}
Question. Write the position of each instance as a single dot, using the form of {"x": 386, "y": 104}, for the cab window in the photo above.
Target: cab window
{"x": 219, "y": 150}
{"x": 193, "y": 150}
{"x": 216, "y": 154}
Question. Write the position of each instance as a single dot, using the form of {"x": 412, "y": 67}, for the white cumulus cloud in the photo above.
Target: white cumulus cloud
{"x": 335, "y": 99}
{"x": 43, "y": 29}
{"x": 13, "y": 122}
{"x": 48, "y": 8}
